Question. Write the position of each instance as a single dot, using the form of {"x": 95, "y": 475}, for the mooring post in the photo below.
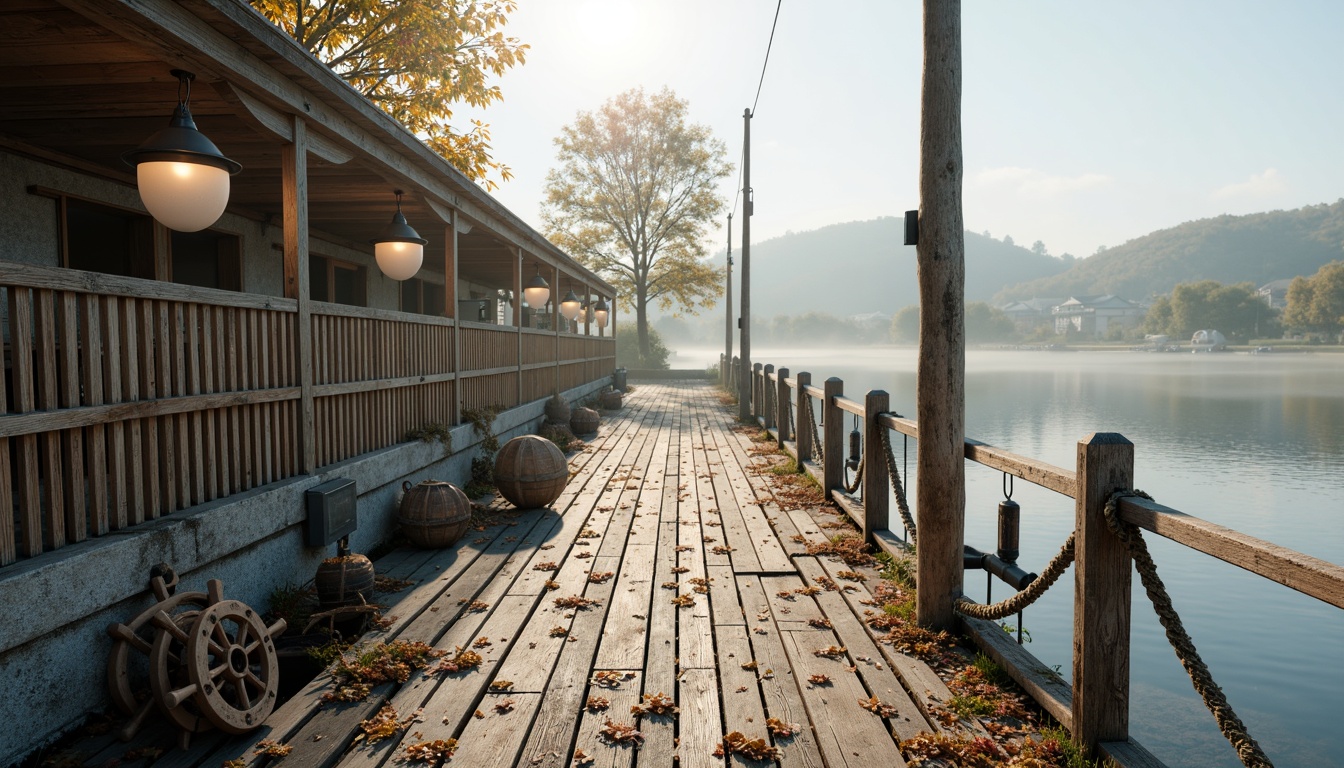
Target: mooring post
{"x": 803, "y": 435}
{"x": 782, "y": 405}
{"x": 769, "y": 395}
{"x": 876, "y": 493}
{"x": 833, "y": 438}
{"x": 1100, "y": 595}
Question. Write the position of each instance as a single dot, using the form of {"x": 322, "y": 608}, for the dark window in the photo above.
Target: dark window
{"x": 422, "y": 297}
{"x": 100, "y": 238}
{"x": 338, "y": 282}
{"x": 209, "y": 259}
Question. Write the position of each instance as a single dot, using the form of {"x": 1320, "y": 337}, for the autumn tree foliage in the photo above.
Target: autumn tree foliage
{"x": 633, "y": 198}
{"x": 1316, "y": 303}
{"x": 415, "y": 59}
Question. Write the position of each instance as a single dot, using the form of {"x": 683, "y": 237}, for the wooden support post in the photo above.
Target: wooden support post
{"x": 833, "y": 438}
{"x": 940, "y": 381}
{"x": 517, "y": 291}
{"x": 294, "y": 184}
{"x": 555, "y": 322}
{"x": 803, "y": 438}
{"x": 769, "y": 399}
{"x": 876, "y": 483}
{"x": 755, "y": 392}
{"x": 782, "y": 405}
{"x": 450, "y": 309}
{"x": 1100, "y": 595}
{"x": 744, "y": 320}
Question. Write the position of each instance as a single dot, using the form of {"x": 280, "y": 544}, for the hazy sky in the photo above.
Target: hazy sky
{"x": 1084, "y": 124}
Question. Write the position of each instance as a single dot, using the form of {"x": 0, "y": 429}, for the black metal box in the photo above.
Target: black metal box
{"x": 331, "y": 512}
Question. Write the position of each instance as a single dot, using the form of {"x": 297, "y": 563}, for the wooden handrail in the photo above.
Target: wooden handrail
{"x": 851, "y": 406}
{"x": 1303, "y": 573}
{"x": 79, "y": 281}
{"x": 374, "y": 313}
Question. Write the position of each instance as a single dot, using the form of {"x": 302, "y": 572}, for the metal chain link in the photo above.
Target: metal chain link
{"x": 902, "y": 505}
{"x": 1026, "y": 597}
{"x": 1231, "y": 726}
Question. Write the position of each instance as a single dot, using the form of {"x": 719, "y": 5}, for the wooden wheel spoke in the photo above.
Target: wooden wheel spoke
{"x": 252, "y": 678}
{"x": 251, "y": 649}
{"x": 215, "y": 672}
{"x": 221, "y": 635}
{"x": 241, "y": 637}
{"x": 244, "y": 701}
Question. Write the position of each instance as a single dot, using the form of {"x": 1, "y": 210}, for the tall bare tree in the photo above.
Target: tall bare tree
{"x": 633, "y": 198}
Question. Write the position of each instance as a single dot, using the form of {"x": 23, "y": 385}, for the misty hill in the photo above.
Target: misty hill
{"x": 1257, "y": 248}
{"x": 861, "y": 266}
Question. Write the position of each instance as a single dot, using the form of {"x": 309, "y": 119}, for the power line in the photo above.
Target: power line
{"x": 738, "y": 196}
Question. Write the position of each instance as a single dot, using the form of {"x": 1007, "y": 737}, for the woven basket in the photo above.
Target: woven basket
{"x": 531, "y": 472}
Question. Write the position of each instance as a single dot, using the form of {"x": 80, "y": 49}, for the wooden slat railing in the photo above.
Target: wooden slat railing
{"x": 124, "y": 400}
{"x": 1095, "y": 710}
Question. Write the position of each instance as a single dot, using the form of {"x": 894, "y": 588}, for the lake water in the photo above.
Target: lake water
{"x": 1252, "y": 442}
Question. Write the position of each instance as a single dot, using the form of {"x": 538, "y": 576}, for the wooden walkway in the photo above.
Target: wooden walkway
{"x": 668, "y": 496}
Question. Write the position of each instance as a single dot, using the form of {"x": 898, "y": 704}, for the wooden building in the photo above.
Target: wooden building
{"x": 169, "y": 396}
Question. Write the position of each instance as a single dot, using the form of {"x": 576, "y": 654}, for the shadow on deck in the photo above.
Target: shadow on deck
{"x": 666, "y": 502}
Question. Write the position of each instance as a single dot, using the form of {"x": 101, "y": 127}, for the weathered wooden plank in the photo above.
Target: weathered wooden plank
{"x": 1039, "y": 681}
{"x": 53, "y": 484}
{"x": 700, "y": 718}
{"x": 877, "y": 677}
{"x": 589, "y": 739}
{"x": 743, "y": 707}
{"x": 21, "y": 371}
{"x": 846, "y": 733}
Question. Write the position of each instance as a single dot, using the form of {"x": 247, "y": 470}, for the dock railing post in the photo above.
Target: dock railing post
{"x": 732, "y": 376}
{"x": 755, "y": 392}
{"x": 803, "y": 437}
{"x": 833, "y": 438}
{"x": 769, "y": 392}
{"x": 876, "y": 493}
{"x": 1101, "y": 596}
{"x": 782, "y": 405}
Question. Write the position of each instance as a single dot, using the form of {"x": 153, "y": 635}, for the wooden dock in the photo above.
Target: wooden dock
{"x": 668, "y": 501}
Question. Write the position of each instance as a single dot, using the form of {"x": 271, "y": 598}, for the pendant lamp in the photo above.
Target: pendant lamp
{"x": 399, "y": 250}
{"x": 570, "y": 306}
{"x": 537, "y": 291}
{"x": 600, "y": 312}
{"x": 182, "y": 176}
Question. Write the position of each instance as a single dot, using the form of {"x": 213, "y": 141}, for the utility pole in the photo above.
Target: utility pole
{"x": 728, "y": 311}
{"x": 744, "y": 387}
{"x": 941, "y": 379}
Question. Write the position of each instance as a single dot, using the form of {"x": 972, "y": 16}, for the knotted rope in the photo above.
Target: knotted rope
{"x": 858, "y": 479}
{"x": 1233, "y": 729}
{"x": 812, "y": 418}
{"x": 897, "y": 486}
{"x": 1026, "y": 597}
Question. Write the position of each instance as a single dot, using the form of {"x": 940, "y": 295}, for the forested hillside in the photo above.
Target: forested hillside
{"x": 861, "y": 266}
{"x": 1257, "y": 248}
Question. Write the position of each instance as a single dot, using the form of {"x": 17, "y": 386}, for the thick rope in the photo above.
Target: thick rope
{"x": 812, "y": 418}
{"x": 1026, "y": 597}
{"x": 858, "y": 478}
{"x": 1233, "y": 729}
{"x": 894, "y": 474}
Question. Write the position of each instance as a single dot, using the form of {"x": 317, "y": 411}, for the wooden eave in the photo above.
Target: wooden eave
{"x": 89, "y": 79}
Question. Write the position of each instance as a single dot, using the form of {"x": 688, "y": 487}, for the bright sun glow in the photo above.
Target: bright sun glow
{"x": 607, "y": 28}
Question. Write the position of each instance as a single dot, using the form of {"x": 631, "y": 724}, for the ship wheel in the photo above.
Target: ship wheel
{"x": 138, "y": 634}
{"x": 168, "y": 673}
{"x": 231, "y": 663}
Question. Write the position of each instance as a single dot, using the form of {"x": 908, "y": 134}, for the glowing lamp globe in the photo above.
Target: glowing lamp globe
{"x": 537, "y": 292}
{"x": 570, "y": 306}
{"x": 399, "y": 250}
{"x": 600, "y": 313}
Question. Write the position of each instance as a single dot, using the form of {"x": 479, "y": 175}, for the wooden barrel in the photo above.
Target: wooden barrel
{"x": 530, "y": 471}
{"x": 557, "y": 410}
{"x": 434, "y": 514}
{"x": 343, "y": 581}
{"x": 584, "y": 421}
{"x": 611, "y": 401}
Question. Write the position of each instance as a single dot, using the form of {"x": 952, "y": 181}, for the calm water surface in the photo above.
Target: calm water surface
{"x": 1252, "y": 442}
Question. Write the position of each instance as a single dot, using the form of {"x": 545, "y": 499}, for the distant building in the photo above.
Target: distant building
{"x": 1030, "y": 313}
{"x": 1275, "y": 293}
{"x": 1097, "y": 315}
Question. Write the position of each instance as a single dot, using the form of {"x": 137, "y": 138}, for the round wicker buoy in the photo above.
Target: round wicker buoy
{"x": 530, "y": 471}
{"x": 343, "y": 581}
{"x": 557, "y": 409}
{"x": 584, "y": 421}
{"x": 611, "y": 401}
{"x": 433, "y": 514}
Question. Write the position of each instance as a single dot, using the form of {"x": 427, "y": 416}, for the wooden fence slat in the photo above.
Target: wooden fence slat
{"x": 21, "y": 364}
{"x": 53, "y": 483}
{"x": 76, "y": 526}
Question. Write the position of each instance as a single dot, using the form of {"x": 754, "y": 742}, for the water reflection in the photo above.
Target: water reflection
{"x": 1255, "y": 443}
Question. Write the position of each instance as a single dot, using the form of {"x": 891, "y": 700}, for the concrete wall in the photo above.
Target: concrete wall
{"x": 54, "y": 609}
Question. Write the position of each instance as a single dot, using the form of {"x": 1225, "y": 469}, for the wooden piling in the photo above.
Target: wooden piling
{"x": 876, "y": 493}
{"x": 833, "y": 437}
